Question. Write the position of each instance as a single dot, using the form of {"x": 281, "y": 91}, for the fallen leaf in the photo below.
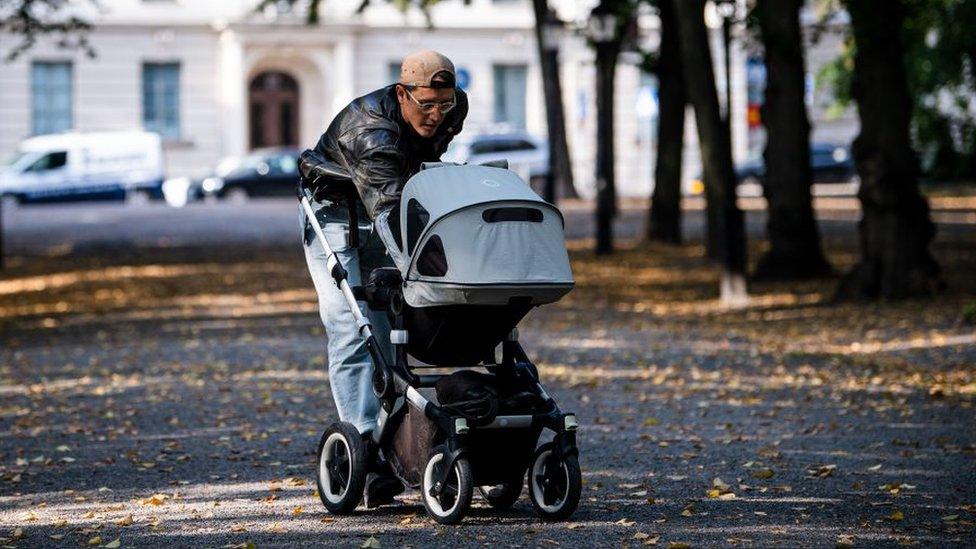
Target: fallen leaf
{"x": 114, "y": 544}
{"x": 155, "y": 499}
{"x": 370, "y": 543}
{"x": 127, "y": 521}
{"x": 97, "y": 540}
{"x": 626, "y": 522}
{"x": 845, "y": 541}
{"x": 763, "y": 473}
{"x": 896, "y": 515}
{"x": 296, "y": 511}
{"x": 822, "y": 471}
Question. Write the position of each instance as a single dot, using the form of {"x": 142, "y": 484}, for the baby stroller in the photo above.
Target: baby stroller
{"x": 475, "y": 249}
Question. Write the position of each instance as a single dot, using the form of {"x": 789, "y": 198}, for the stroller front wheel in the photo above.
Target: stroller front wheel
{"x": 341, "y": 471}
{"x": 450, "y": 506}
{"x": 554, "y": 484}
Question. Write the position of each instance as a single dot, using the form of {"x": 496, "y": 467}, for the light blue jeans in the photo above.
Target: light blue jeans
{"x": 350, "y": 366}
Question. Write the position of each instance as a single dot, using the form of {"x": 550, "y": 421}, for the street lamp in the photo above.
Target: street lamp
{"x": 552, "y": 31}
{"x": 551, "y": 34}
{"x": 726, "y": 10}
{"x": 602, "y": 30}
{"x": 602, "y": 25}
{"x": 733, "y": 286}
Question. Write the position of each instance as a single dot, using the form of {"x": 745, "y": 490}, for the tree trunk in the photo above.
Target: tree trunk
{"x": 794, "y": 250}
{"x": 895, "y": 226}
{"x": 606, "y": 195}
{"x": 664, "y": 224}
{"x": 726, "y": 221}
{"x": 561, "y": 165}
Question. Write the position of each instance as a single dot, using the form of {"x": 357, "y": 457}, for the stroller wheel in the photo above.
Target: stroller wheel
{"x": 554, "y": 484}
{"x": 504, "y": 495}
{"x": 341, "y": 471}
{"x": 452, "y": 503}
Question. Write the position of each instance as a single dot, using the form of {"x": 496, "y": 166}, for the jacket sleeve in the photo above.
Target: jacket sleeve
{"x": 377, "y": 165}
{"x": 453, "y": 125}
{"x": 316, "y": 173}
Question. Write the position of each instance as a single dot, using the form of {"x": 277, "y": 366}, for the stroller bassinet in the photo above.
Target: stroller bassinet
{"x": 476, "y": 250}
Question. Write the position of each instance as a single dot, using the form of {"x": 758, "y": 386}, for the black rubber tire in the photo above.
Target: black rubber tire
{"x": 503, "y": 496}
{"x": 568, "y": 494}
{"x": 342, "y": 499}
{"x": 461, "y": 481}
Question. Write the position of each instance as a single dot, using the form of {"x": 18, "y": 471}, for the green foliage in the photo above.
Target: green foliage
{"x": 839, "y": 75}
{"x": 969, "y": 314}
{"x": 940, "y": 60}
{"x": 315, "y": 5}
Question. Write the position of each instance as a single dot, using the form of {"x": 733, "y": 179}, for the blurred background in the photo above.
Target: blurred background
{"x": 218, "y": 80}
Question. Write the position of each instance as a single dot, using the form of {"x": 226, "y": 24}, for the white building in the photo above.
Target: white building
{"x": 216, "y": 79}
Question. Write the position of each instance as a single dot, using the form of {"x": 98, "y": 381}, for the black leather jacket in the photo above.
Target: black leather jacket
{"x": 371, "y": 141}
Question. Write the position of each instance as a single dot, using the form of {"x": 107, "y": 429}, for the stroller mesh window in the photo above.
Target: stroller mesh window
{"x": 393, "y": 221}
{"x": 417, "y": 218}
{"x": 432, "y": 261}
{"x": 497, "y": 215}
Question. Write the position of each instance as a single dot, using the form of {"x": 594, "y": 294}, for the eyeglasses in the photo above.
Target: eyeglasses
{"x": 427, "y": 107}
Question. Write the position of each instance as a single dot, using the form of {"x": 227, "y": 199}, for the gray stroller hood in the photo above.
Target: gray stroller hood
{"x": 478, "y": 235}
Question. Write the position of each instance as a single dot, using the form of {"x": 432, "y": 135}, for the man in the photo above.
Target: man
{"x": 380, "y": 139}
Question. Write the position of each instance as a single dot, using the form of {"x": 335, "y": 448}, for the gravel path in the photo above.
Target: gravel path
{"x": 191, "y": 417}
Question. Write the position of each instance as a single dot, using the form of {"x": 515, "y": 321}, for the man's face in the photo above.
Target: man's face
{"x": 422, "y": 118}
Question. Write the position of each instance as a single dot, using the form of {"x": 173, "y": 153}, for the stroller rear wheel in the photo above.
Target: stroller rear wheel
{"x": 341, "y": 471}
{"x": 450, "y": 506}
{"x": 554, "y": 484}
{"x": 504, "y": 495}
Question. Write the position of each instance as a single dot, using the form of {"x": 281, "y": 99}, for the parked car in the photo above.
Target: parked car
{"x": 527, "y": 155}
{"x": 84, "y": 166}
{"x": 832, "y": 169}
{"x": 262, "y": 173}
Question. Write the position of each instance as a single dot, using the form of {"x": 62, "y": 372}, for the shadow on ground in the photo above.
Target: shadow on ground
{"x": 174, "y": 396}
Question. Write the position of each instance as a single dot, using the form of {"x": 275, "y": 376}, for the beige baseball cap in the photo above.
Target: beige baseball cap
{"x": 420, "y": 68}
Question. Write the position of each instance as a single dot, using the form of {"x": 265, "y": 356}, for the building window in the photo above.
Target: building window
{"x": 393, "y": 72}
{"x": 161, "y": 99}
{"x": 510, "y": 94}
{"x": 51, "y": 97}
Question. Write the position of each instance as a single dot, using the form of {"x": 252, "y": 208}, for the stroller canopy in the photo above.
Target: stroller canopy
{"x": 479, "y": 235}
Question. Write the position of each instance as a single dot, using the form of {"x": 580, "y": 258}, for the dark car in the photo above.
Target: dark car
{"x": 262, "y": 173}
{"x": 832, "y": 166}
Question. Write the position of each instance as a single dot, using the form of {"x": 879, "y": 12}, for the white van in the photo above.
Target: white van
{"x": 84, "y": 166}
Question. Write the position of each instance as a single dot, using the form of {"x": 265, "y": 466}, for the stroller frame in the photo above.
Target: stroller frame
{"x": 396, "y": 386}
